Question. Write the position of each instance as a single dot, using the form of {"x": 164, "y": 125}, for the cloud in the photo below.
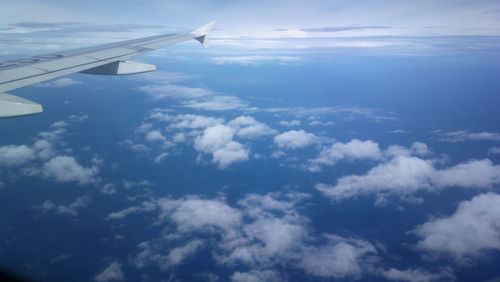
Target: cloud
{"x": 59, "y": 83}
{"x": 179, "y": 254}
{"x": 253, "y": 60}
{"x": 152, "y": 253}
{"x": 218, "y": 140}
{"x": 321, "y": 123}
{"x": 346, "y": 113}
{"x": 13, "y": 155}
{"x": 494, "y": 151}
{"x": 290, "y": 123}
{"x": 417, "y": 275}
{"x": 65, "y": 169}
{"x": 343, "y": 28}
{"x": 353, "y": 150}
{"x": 144, "y": 207}
{"x": 70, "y": 209}
{"x": 256, "y": 236}
{"x": 111, "y": 273}
{"x": 155, "y": 135}
{"x": 72, "y": 27}
{"x": 295, "y": 139}
{"x": 404, "y": 175}
{"x": 187, "y": 121}
{"x": 78, "y": 117}
{"x": 193, "y": 213}
{"x": 464, "y": 135}
{"x": 171, "y": 91}
{"x": 473, "y": 228}
{"x": 216, "y": 103}
{"x": 255, "y": 276}
{"x": 248, "y": 128}
{"x": 339, "y": 258}
{"x": 134, "y": 146}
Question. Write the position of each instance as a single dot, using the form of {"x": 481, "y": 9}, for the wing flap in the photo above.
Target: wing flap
{"x": 13, "y": 106}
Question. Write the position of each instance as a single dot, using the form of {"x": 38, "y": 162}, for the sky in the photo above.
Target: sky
{"x": 313, "y": 141}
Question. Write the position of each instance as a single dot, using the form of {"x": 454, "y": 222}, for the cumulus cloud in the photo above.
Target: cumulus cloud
{"x": 471, "y": 230}
{"x": 155, "y": 135}
{"x": 407, "y": 174}
{"x": 494, "y": 151}
{"x": 43, "y": 158}
{"x": 216, "y": 103}
{"x": 253, "y": 60}
{"x": 295, "y": 139}
{"x": 257, "y": 234}
{"x": 65, "y": 169}
{"x": 464, "y": 135}
{"x": 13, "y": 155}
{"x": 345, "y": 113}
{"x": 152, "y": 253}
{"x": 218, "y": 140}
{"x": 255, "y": 276}
{"x": 339, "y": 258}
{"x": 417, "y": 275}
{"x": 188, "y": 121}
{"x": 171, "y": 91}
{"x": 290, "y": 123}
{"x": 249, "y": 128}
{"x": 111, "y": 273}
{"x": 353, "y": 150}
{"x": 69, "y": 209}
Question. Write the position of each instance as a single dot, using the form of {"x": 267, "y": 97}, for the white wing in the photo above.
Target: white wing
{"x": 110, "y": 59}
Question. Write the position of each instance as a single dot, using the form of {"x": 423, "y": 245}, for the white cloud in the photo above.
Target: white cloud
{"x": 494, "y": 151}
{"x": 405, "y": 175}
{"x": 249, "y": 128}
{"x": 290, "y": 123}
{"x": 464, "y": 135}
{"x": 321, "y": 123}
{"x": 111, "y": 273}
{"x": 178, "y": 255}
{"x": 339, "y": 258}
{"x": 144, "y": 207}
{"x": 59, "y": 124}
{"x": 231, "y": 153}
{"x": 346, "y": 113}
{"x": 218, "y": 140}
{"x": 417, "y": 275}
{"x": 190, "y": 121}
{"x": 216, "y": 103}
{"x": 58, "y": 83}
{"x": 265, "y": 230}
{"x": 353, "y": 150}
{"x": 214, "y": 138}
{"x": 159, "y": 158}
{"x": 472, "y": 229}
{"x": 295, "y": 139}
{"x": 171, "y": 91}
{"x": 65, "y": 169}
{"x": 69, "y": 209}
{"x": 253, "y": 60}
{"x": 194, "y": 213}
{"x": 108, "y": 189}
{"x": 155, "y": 135}
{"x": 255, "y": 276}
{"x": 78, "y": 117}
{"x": 12, "y": 155}
{"x": 137, "y": 147}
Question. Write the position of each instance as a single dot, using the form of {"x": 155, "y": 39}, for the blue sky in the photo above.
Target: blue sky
{"x": 334, "y": 141}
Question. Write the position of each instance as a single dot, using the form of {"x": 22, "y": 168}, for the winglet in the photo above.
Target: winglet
{"x": 201, "y": 34}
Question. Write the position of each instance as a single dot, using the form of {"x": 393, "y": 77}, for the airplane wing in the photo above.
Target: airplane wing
{"x": 107, "y": 59}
